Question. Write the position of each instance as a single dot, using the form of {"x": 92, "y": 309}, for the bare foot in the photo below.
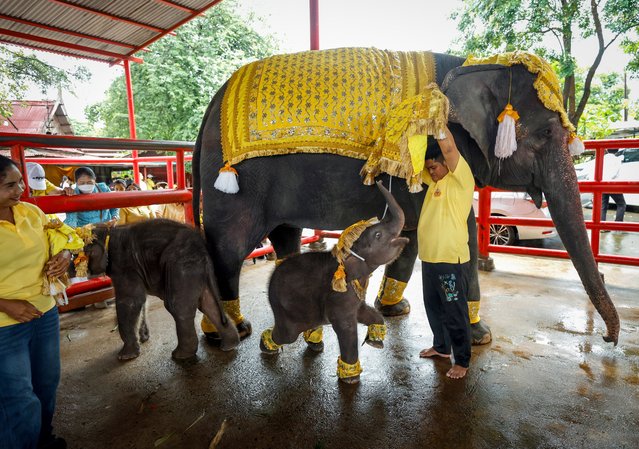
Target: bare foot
{"x": 456, "y": 372}
{"x": 431, "y": 352}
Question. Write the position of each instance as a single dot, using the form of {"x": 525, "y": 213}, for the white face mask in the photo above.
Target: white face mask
{"x": 86, "y": 188}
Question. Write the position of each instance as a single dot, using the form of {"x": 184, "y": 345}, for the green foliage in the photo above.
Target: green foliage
{"x": 180, "y": 74}
{"x": 605, "y": 105}
{"x": 18, "y": 71}
{"x": 548, "y": 28}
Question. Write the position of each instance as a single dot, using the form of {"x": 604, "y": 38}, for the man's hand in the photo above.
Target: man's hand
{"x": 69, "y": 191}
{"x": 58, "y": 264}
{"x": 20, "y": 310}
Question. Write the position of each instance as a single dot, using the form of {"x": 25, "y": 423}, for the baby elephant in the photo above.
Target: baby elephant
{"x": 166, "y": 259}
{"x": 312, "y": 289}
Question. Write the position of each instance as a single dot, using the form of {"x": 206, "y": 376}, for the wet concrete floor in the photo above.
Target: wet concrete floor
{"x": 547, "y": 380}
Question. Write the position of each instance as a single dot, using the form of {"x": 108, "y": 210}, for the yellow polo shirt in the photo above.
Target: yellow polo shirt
{"x": 24, "y": 249}
{"x": 442, "y": 232}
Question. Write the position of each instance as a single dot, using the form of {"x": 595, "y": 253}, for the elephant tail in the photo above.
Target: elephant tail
{"x": 215, "y": 292}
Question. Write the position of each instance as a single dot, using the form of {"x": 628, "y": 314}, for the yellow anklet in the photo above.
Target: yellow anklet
{"x": 267, "y": 340}
{"x": 314, "y": 335}
{"x": 391, "y": 291}
{"x": 345, "y": 370}
{"x": 376, "y": 332}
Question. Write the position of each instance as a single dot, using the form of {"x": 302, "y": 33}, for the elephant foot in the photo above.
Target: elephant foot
{"x": 401, "y": 308}
{"x": 267, "y": 345}
{"x": 480, "y": 333}
{"x": 244, "y": 329}
{"x": 315, "y": 347}
{"x": 350, "y": 380}
{"x": 374, "y": 343}
{"x": 180, "y": 355}
{"x": 128, "y": 353}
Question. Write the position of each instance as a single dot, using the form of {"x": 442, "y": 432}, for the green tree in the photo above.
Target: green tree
{"x": 605, "y": 105}
{"x": 549, "y": 28}
{"x": 18, "y": 71}
{"x": 180, "y": 75}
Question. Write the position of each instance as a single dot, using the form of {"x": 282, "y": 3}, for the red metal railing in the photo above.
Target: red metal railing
{"x": 596, "y": 187}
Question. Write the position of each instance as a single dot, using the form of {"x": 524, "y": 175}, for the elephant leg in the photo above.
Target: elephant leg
{"x": 131, "y": 297}
{"x": 228, "y": 248}
{"x": 273, "y": 338}
{"x": 286, "y": 241}
{"x": 480, "y": 332}
{"x": 348, "y": 367}
{"x": 186, "y": 334}
{"x": 375, "y": 322}
{"x": 390, "y": 299}
{"x": 314, "y": 338}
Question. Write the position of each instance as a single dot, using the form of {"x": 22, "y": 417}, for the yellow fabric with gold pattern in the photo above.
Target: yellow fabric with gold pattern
{"x": 391, "y": 291}
{"x": 345, "y": 370}
{"x": 376, "y": 332}
{"x": 354, "y": 102}
{"x": 546, "y": 84}
{"x": 232, "y": 309}
{"x": 267, "y": 340}
{"x": 314, "y": 335}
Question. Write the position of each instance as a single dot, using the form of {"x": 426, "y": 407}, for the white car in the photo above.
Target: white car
{"x": 519, "y": 205}
{"x": 629, "y": 171}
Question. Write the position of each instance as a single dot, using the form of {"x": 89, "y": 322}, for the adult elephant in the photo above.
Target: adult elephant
{"x": 280, "y": 195}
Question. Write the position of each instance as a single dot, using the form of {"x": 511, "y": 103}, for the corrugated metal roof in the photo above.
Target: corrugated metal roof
{"x": 108, "y": 31}
{"x": 37, "y": 117}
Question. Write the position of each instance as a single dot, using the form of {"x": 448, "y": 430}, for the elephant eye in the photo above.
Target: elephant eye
{"x": 378, "y": 235}
{"x": 546, "y": 132}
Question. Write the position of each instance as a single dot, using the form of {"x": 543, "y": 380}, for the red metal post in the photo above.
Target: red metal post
{"x": 313, "y": 6}
{"x": 169, "y": 174}
{"x": 131, "y": 107}
{"x": 483, "y": 225}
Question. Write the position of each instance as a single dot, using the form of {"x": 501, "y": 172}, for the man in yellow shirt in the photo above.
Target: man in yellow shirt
{"x": 442, "y": 236}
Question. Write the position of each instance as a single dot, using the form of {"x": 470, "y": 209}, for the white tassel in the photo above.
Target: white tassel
{"x": 506, "y": 142}
{"x": 575, "y": 145}
{"x": 227, "y": 180}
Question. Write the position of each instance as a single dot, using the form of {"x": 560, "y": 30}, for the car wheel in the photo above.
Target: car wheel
{"x": 502, "y": 235}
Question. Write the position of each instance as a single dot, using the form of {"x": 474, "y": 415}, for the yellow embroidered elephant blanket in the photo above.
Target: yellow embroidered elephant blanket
{"x": 356, "y": 102}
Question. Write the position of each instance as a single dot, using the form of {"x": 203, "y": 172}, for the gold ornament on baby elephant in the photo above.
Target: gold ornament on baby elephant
{"x": 61, "y": 237}
{"x": 342, "y": 250}
{"x": 345, "y": 370}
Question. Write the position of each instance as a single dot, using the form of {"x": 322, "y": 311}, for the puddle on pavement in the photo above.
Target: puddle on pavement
{"x": 586, "y": 368}
{"x": 523, "y": 354}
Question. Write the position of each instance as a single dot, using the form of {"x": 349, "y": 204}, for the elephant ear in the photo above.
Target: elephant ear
{"x": 474, "y": 104}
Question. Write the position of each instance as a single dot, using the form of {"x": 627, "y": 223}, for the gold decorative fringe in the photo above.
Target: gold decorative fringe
{"x": 391, "y": 291}
{"x": 342, "y": 250}
{"x": 473, "y": 311}
{"x": 376, "y": 332}
{"x": 344, "y": 370}
{"x": 314, "y": 335}
{"x": 267, "y": 340}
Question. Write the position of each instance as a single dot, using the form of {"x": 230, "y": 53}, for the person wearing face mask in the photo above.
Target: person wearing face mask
{"x": 85, "y": 181}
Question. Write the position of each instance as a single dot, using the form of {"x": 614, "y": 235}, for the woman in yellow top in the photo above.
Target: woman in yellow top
{"x": 29, "y": 323}
{"x": 135, "y": 214}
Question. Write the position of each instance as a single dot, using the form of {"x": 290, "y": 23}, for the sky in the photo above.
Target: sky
{"x": 392, "y": 25}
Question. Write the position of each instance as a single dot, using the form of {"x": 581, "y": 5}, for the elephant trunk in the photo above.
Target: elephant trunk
{"x": 562, "y": 194}
{"x": 395, "y": 212}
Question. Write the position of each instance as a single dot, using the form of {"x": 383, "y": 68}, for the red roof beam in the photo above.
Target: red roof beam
{"x": 108, "y": 16}
{"x": 177, "y": 25}
{"x": 44, "y": 40}
{"x": 63, "y": 53}
{"x": 176, "y": 6}
{"x": 63, "y": 31}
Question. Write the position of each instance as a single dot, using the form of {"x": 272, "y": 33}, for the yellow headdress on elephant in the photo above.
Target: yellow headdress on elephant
{"x": 343, "y": 249}
{"x": 548, "y": 91}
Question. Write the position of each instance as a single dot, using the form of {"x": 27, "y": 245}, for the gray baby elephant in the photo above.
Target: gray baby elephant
{"x": 166, "y": 259}
{"x": 309, "y": 290}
